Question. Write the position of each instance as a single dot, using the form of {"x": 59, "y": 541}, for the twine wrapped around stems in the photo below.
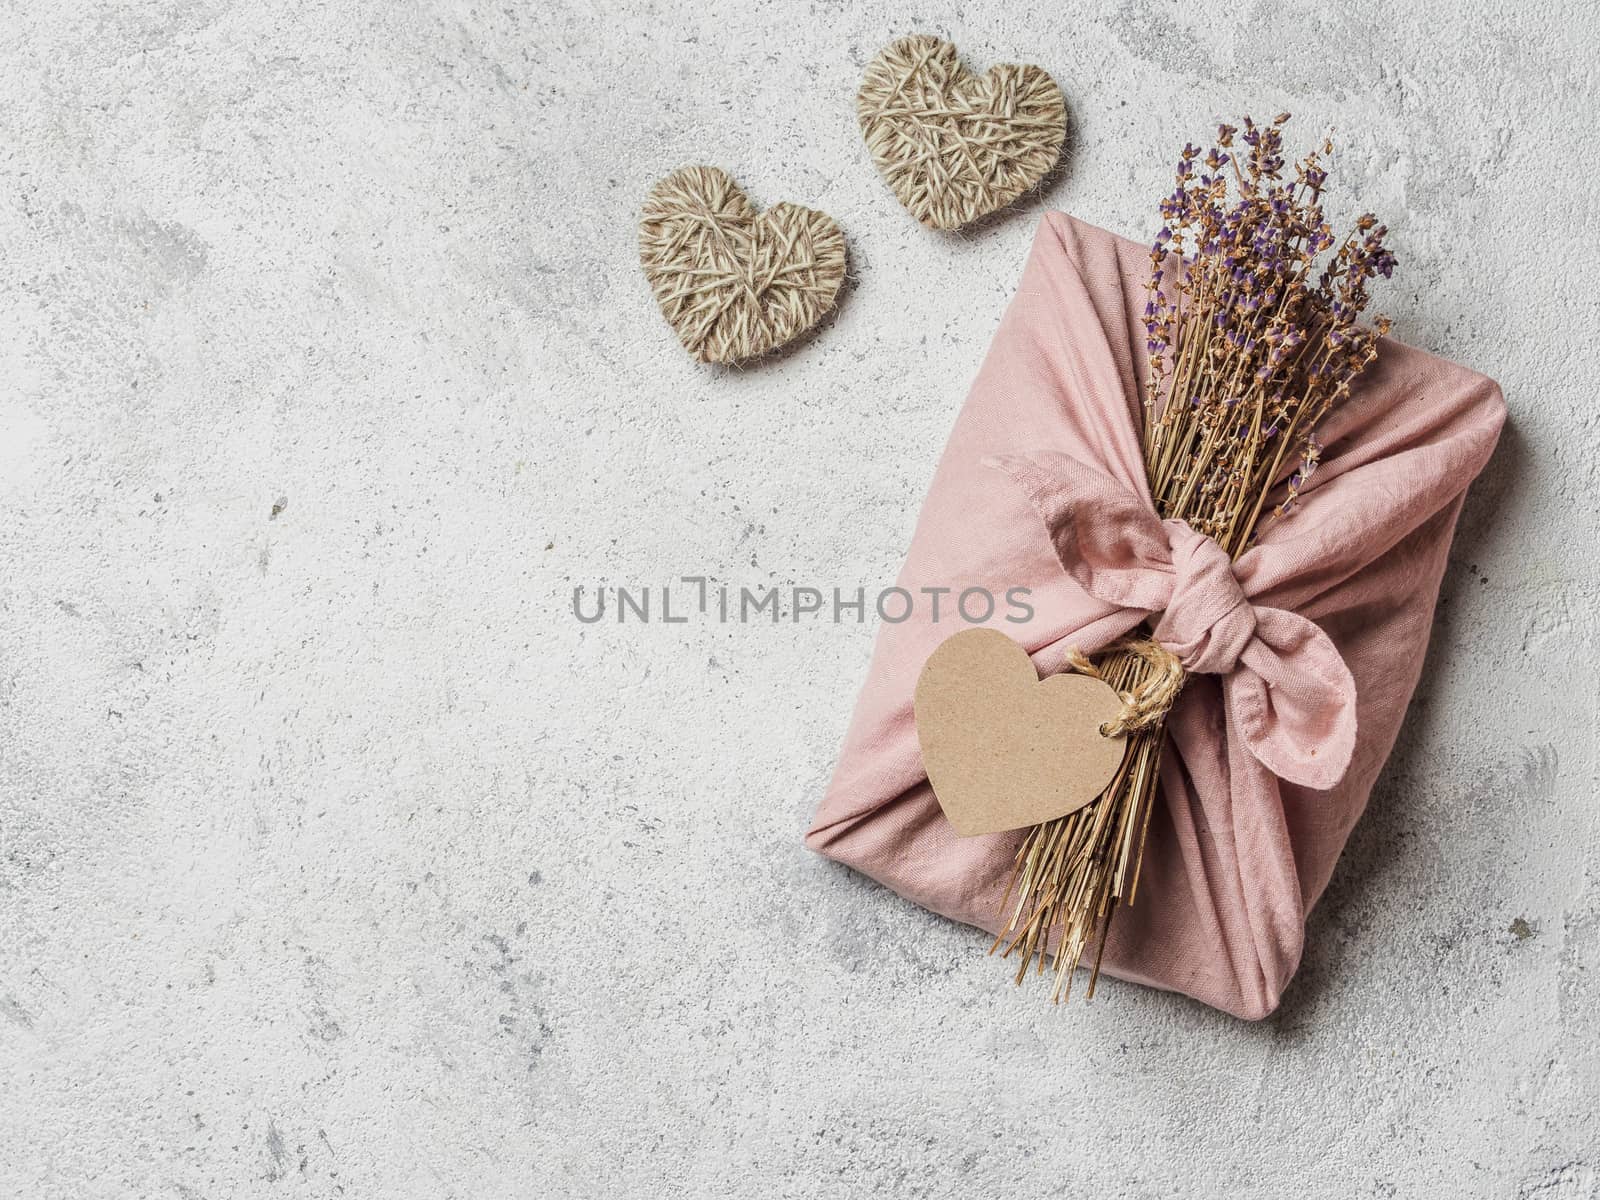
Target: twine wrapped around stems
{"x": 1149, "y": 699}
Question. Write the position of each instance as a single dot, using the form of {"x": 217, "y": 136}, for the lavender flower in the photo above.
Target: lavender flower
{"x": 1252, "y": 327}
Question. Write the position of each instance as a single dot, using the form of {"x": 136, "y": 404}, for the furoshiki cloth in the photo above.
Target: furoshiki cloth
{"x": 1303, "y": 654}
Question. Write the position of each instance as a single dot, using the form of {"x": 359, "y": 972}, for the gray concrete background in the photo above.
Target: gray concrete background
{"x": 338, "y": 859}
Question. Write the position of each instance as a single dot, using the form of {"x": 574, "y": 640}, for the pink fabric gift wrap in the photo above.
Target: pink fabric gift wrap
{"x": 1303, "y": 654}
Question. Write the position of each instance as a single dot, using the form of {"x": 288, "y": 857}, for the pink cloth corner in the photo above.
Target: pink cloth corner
{"x": 1305, "y": 658}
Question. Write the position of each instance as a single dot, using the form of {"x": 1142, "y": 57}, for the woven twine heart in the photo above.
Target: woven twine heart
{"x": 956, "y": 146}
{"x": 734, "y": 283}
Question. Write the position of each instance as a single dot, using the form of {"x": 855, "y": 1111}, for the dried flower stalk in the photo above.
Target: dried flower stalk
{"x": 1253, "y": 333}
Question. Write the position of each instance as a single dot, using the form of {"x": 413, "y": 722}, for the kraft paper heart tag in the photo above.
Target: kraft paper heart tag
{"x": 1004, "y": 749}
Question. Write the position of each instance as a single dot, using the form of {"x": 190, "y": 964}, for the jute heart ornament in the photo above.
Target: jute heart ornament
{"x": 734, "y": 283}
{"x": 956, "y": 146}
{"x": 1004, "y": 749}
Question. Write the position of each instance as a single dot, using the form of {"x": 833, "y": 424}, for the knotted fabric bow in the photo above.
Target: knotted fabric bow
{"x": 1287, "y": 691}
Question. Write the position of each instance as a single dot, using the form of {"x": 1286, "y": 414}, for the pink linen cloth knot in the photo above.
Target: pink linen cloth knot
{"x": 1287, "y": 691}
{"x": 1208, "y": 621}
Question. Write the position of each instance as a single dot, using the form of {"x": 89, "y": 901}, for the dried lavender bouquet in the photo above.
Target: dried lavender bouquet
{"x": 1254, "y": 335}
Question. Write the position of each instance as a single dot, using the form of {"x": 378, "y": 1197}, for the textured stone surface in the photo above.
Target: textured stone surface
{"x": 338, "y": 859}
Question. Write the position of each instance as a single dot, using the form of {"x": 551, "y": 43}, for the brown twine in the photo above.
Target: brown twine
{"x": 732, "y": 283}
{"x": 956, "y": 146}
{"x": 1148, "y": 701}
